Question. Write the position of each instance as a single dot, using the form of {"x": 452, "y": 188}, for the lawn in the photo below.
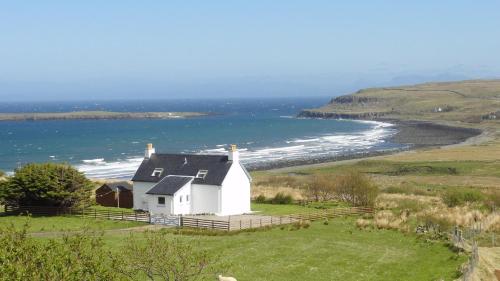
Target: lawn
{"x": 64, "y": 223}
{"x": 337, "y": 251}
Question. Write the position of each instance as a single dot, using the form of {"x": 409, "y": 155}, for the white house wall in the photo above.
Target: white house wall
{"x": 235, "y": 195}
{"x": 184, "y": 207}
{"x": 205, "y": 199}
{"x": 139, "y": 191}
{"x": 154, "y": 208}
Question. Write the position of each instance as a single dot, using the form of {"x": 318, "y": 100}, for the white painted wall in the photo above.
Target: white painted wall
{"x": 184, "y": 207}
{"x": 205, "y": 199}
{"x": 139, "y": 191}
{"x": 235, "y": 195}
{"x": 154, "y": 208}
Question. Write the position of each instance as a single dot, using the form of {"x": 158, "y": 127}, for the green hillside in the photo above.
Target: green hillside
{"x": 474, "y": 101}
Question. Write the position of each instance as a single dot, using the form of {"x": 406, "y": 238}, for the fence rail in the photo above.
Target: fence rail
{"x": 79, "y": 212}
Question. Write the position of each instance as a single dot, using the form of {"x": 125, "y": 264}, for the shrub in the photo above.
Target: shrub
{"x": 261, "y": 199}
{"x": 363, "y": 223}
{"x": 356, "y": 188}
{"x": 46, "y": 185}
{"x": 321, "y": 187}
{"x": 76, "y": 257}
{"x": 282, "y": 198}
{"x": 460, "y": 196}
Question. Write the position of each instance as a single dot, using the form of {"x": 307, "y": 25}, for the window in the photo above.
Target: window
{"x": 161, "y": 200}
{"x": 180, "y": 198}
{"x": 157, "y": 172}
{"x": 187, "y": 198}
{"x": 202, "y": 174}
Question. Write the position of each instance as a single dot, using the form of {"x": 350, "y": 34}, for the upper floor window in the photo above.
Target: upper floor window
{"x": 202, "y": 174}
{"x": 180, "y": 198}
{"x": 157, "y": 172}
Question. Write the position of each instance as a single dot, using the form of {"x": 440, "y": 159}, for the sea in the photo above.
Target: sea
{"x": 265, "y": 131}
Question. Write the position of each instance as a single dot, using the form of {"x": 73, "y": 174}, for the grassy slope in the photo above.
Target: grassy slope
{"x": 338, "y": 251}
{"x": 50, "y": 224}
{"x": 467, "y": 100}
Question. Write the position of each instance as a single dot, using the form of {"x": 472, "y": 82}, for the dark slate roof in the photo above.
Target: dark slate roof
{"x": 169, "y": 185}
{"x": 185, "y": 165}
{"x": 121, "y": 185}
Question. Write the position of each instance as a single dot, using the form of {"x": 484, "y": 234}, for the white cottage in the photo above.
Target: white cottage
{"x": 175, "y": 184}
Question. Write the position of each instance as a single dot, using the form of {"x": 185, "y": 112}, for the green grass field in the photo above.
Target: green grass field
{"x": 337, "y": 251}
{"x": 64, "y": 223}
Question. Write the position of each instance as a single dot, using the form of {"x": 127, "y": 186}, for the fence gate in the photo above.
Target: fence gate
{"x": 166, "y": 220}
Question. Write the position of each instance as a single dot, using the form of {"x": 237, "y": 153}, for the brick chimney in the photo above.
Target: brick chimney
{"x": 234, "y": 154}
{"x": 149, "y": 150}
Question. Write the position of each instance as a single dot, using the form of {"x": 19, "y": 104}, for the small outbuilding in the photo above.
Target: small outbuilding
{"x": 115, "y": 194}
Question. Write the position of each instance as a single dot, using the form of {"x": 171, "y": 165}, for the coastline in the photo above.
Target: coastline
{"x": 415, "y": 135}
{"x": 97, "y": 115}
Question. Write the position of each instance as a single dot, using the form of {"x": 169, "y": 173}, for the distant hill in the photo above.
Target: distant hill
{"x": 472, "y": 101}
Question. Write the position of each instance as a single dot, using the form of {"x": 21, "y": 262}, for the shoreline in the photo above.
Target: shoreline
{"x": 416, "y": 135}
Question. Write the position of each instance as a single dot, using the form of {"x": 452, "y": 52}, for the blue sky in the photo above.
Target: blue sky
{"x": 171, "y": 49}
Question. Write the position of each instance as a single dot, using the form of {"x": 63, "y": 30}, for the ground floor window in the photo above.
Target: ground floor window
{"x": 161, "y": 200}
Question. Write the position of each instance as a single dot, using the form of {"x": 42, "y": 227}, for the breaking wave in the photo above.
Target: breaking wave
{"x": 319, "y": 146}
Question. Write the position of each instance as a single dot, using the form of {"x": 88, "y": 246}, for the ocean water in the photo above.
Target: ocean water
{"x": 265, "y": 130}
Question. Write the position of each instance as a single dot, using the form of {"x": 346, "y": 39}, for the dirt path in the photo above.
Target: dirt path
{"x": 108, "y": 231}
{"x": 489, "y": 261}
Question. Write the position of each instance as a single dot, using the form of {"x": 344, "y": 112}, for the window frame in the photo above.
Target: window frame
{"x": 201, "y": 174}
{"x": 157, "y": 172}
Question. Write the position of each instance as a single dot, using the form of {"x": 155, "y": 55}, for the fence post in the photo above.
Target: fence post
{"x": 213, "y": 224}
{"x": 260, "y": 222}
{"x": 108, "y": 215}
{"x": 149, "y": 217}
{"x": 122, "y": 215}
{"x": 240, "y": 224}
{"x": 250, "y": 222}
{"x": 135, "y": 214}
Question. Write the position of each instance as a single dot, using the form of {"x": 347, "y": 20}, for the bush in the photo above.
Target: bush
{"x": 261, "y": 199}
{"x": 356, "y": 188}
{"x": 77, "y": 257}
{"x": 321, "y": 187}
{"x": 282, "y": 198}
{"x": 459, "y": 196}
{"x": 46, "y": 185}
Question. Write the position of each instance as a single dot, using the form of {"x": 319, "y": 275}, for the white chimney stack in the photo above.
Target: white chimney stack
{"x": 234, "y": 154}
{"x": 149, "y": 150}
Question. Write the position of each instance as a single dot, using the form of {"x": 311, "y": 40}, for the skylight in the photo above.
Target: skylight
{"x": 202, "y": 174}
{"x": 157, "y": 172}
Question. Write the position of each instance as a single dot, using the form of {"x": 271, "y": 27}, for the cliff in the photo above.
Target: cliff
{"x": 474, "y": 101}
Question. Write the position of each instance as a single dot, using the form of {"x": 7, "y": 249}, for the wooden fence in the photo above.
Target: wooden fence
{"x": 263, "y": 221}
{"x": 232, "y": 223}
{"x": 79, "y": 212}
